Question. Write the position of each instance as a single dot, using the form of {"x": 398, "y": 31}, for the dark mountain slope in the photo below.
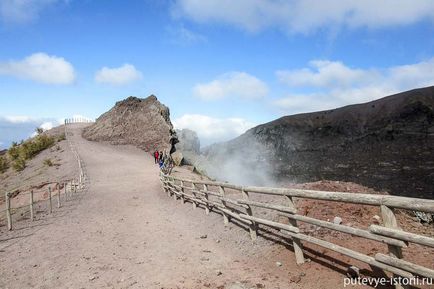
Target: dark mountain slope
{"x": 387, "y": 144}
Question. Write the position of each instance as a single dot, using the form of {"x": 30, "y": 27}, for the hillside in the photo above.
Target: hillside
{"x": 52, "y": 165}
{"x": 144, "y": 123}
{"x": 386, "y": 144}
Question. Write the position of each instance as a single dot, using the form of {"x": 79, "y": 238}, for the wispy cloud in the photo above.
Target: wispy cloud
{"x": 211, "y": 129}
{"x": 303, "y": 16}
{"x": 182, "y": 36}
{"x": 335, "y": 84}
{"x": 122, "y": 75}
{"x": 17, "y": 118}
{"x": 40, "y": 67}
{"x": 232, "y": 85}
{"x": 21, "y": 11}
{"x": 325, "y": 73}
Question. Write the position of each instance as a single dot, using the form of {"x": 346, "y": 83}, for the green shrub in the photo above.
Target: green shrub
{"x": 14, "y": 151}
{"x": 61, "y": 137}
{"x": 48, "y": 163}
{"x": 19, "y": 164}
{"x": 26, "y": 150}
{"x": 4, "y": 164}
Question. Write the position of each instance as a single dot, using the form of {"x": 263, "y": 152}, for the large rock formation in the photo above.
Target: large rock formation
{"x": 144, "y": 123}
{"x": 387, "y": 144}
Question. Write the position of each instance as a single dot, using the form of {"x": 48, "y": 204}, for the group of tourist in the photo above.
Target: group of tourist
{"x": 159, "y": 158}
{"x": 164, "y": 161}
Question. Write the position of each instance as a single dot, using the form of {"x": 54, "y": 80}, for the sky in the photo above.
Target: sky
{"x": 221, "y": 66}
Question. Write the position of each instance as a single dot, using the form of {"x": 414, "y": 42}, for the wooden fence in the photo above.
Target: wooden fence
{"x": 78, "y": 119}
{"x": 68, "y": 189}
{"x": 199, "y": 192}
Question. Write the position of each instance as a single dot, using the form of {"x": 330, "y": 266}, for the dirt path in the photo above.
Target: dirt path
{"x": 126, "y": 233}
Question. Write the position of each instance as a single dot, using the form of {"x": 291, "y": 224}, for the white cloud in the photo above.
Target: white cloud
{"x": 17, "y": 118}
{"x": 40, "y": 67}
{"x": 20, "y": 11}
{"x": 326, "y": 74}
{"x": 45, "y": 126}
{"x": 336, "y": 84}
{"x": 305, "y": 103}
{"x": 125, "y": 74}
{"x": 232, "y": 84}
{"x": 210, "y": 129}
{"x": 183, "y": 36}
{"x": 305, "y": 15}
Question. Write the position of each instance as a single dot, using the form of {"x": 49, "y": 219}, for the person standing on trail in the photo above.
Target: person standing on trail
{"x": 156, "y": 157}
{"x": 161, "y": 156}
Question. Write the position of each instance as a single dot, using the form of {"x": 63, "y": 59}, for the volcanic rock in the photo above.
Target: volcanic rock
{"x": 144, "y": 123}
{"x": 177, "y": 158}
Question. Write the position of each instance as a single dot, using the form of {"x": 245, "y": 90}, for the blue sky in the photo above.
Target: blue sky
{"x": 221, "y": 66}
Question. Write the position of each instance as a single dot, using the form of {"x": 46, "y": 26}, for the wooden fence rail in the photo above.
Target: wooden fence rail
{"x": 69, "y": 188}
{"x": 65, "y": 188}
{"x": 241, "y": 209}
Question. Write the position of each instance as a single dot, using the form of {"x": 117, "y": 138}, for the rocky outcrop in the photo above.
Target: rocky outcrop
{"x": 188, "y": 141}
{"x": 387, "y": 144}
{"x": 144, "y": 123}
{"x": 177, "y": 158}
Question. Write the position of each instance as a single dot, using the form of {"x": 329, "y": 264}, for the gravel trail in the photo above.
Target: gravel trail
{"x": 125, "y": 232}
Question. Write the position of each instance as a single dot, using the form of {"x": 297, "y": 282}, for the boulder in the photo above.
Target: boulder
{"x": 144, "y": 123}
{"x": 177, "y": 158}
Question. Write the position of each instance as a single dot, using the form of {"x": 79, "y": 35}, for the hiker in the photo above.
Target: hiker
{"x": 156, "y": 157}
{"x": 161, "y": 163}
{"x": 161, "y": 156}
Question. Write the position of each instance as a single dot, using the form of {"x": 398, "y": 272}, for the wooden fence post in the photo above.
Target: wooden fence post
{"x": 225, "y": 216}
{"x": 175, "y": 190}
{"x": 163, "y": 182}
{"x": 65, "y": 192}
{"x": 182, "y": 191}
{"x": 193, "y": 188}
{"x": 205, "y": 189}
{"x": 32, "y": 217}
{"x": 296, "y": 243}
{"x": 167, "y": 185}
{"x": 58, "y": 195}
{"x": 389, "y": 221}
{"x": 253, "y": 227}
{"x": 79, "y": 169}
{"x": 8, "y": 211}
{"x": 50, "y": 204}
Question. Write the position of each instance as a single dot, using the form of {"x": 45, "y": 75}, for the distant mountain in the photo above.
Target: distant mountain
{"x": 144, "y": 123}
{"x": 387, "y": 144}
